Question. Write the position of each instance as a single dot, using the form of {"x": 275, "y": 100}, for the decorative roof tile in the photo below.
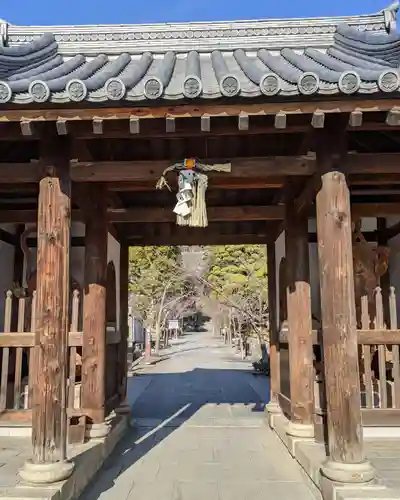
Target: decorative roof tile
{"x": 358, "y": 58}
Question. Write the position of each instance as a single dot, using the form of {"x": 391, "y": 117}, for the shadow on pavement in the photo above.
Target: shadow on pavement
{"x": 205, "y": 397}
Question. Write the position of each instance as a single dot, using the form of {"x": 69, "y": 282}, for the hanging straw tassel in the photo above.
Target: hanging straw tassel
{"x": 198, "y": 216}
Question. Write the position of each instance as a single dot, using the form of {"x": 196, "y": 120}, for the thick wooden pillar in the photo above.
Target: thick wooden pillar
{"x": 299, "y": 324}
{"x": 274, "y": 362}
{"x": 94, "y": 307}
{"x": 346, "y": 459}
{"x": 123, "y": 322}
{"x": 49, "y": 418}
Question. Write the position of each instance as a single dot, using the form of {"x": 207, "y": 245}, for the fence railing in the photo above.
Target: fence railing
{"x": 17, "y": 358}
{"x": 379, "y": 354}
{"x": 379, "y": 363}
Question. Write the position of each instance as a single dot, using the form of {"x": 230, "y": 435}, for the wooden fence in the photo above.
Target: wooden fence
{"x": 379, "y": 363}
{"x": 18, "y": 354}
{"x": 379, "y": 340}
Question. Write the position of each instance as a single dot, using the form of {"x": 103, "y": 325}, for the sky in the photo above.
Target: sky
{"x": 53, "y": 12}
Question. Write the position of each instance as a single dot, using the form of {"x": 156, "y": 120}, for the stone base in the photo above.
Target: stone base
{"x": 46, "y": 473}
{"x": 340, "y": 472}
{"x": 298, "y": 430}
{"x": 98, "y": 431}
{"x": 273, "y": 407}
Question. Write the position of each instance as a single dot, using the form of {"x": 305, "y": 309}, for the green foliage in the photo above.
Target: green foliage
{"x": 241, "y": 269}
{"x": 232, "y": 280}
{"x": 152, "y": 270}
{"x": 238, "y": 275}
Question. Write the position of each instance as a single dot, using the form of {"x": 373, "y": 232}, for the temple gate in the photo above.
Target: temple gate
{"x": 279, "y": 134}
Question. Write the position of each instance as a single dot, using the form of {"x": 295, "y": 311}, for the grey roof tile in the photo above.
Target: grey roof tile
{"x": 356, "y": 61}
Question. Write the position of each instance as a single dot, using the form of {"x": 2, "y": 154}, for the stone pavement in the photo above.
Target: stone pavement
{"x": 200, "y": 433}
{"x": 385, "y": 456}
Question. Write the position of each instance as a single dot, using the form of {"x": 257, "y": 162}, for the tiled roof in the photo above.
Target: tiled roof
{"x": 355, "y": 61}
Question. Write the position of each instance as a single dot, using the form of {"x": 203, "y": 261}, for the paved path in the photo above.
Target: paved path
{"x": 200, "y": 434}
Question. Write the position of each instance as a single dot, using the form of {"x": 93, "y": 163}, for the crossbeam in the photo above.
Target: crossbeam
{"x": 244, "y": 168}
{"x": 215, "y": 214}
{"x": 159, "y": 214}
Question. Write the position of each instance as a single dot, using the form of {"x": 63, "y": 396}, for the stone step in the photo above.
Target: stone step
{"x": 366, "y": 493}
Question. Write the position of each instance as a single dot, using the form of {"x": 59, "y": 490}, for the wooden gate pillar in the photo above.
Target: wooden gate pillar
{"x": 123, "y": 326}
{"x": 274, "y": 362}
{"x": 94, "y": 310}
{"x": 346, "y": 461}
{"x": 299, "y": 324}
{"x": 49, "y": 416}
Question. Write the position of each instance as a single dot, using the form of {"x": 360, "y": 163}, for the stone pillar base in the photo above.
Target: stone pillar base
{"x": 98, "y": 431}
{"x": 273, "y": 407}
{"x": 341, "y": 472}
{"x": 46, "y": 473}
{"x": 299, "y": 430}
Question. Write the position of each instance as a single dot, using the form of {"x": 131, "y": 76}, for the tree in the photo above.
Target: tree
{"x": 157, "y": 284}
{"x": 238, "y": 276}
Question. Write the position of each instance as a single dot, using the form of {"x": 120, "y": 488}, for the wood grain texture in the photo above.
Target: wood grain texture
{"x": 338, "y": 316}
{"x": 298, "y": 293}
{"x": 94, "y": 303}
{"x": 52, "y": 322}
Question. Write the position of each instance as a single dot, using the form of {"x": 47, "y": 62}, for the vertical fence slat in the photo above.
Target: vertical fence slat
{"x": 366, "y": 350}
{"x": 379, "y": 325}
{"x": 6, "y": 352}
{"x": 32, "y": 352}
{"x": 395, "y": 348}
{"x": 18, "y": 356}
{"x": 72, "y": 378}
{"x": 75, "y": 311}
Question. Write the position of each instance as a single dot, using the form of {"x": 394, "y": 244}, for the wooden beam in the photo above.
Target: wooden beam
{"x": 164, "y": 214}
{"x": 241, "y": 167}
{"x": 218, "y": 214}
{"x": 375, "y": 209}
{"x": 298, "y": 292}
{"x": 196, "y": 110}
{"x": 158, "y": 214}
{"x": 94, "y": 304}
{"x": 52, "y": 324}
{"x": 227, "y": 182}
{"x": 9, "y": 238}
{"x": 307, "y": 197}
{"x": 200, "y": 237}
{"x": 392, "y": 231}
{"x": 134, "y": 171}
{"x": 247, "y": 168}
{"x": 339, "y": 317}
